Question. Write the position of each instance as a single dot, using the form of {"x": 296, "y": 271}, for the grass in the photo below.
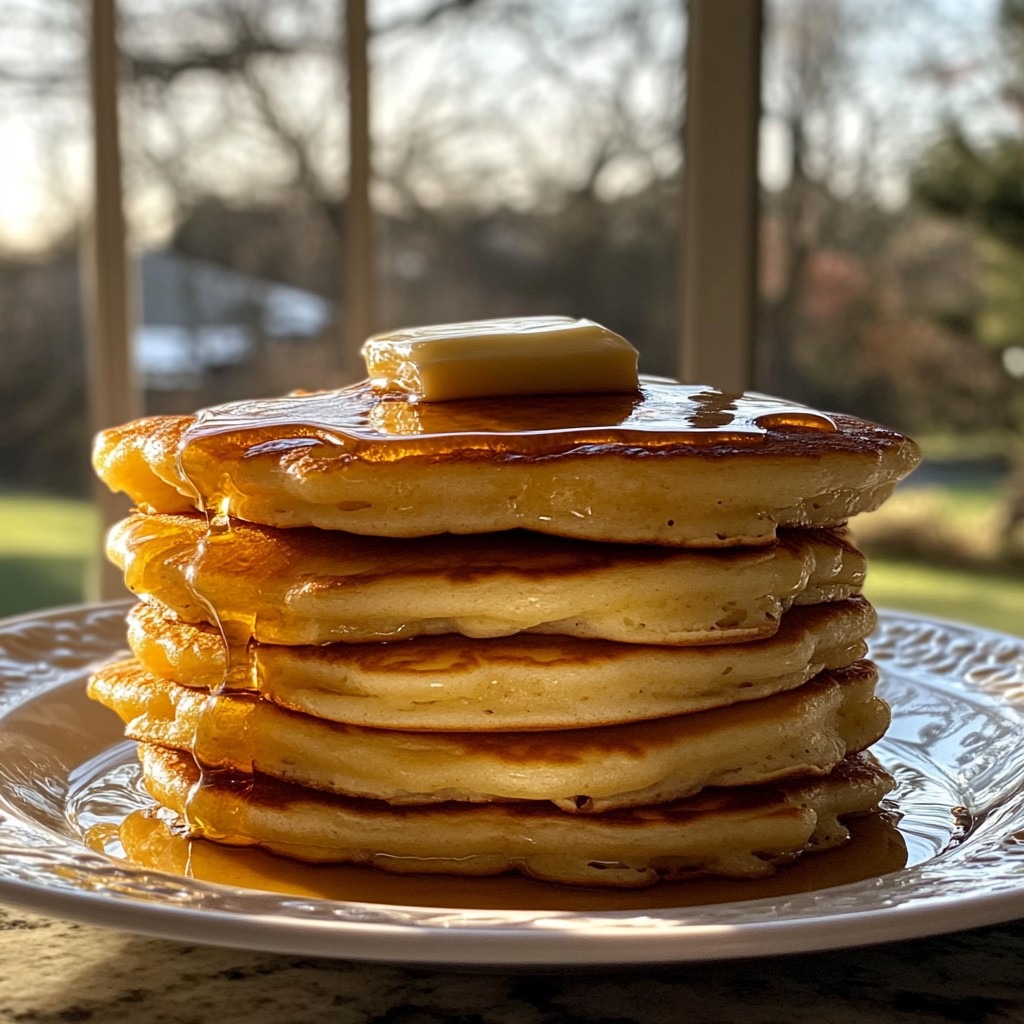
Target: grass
{"x": 47, "y": 546}
{"x": 940, "y": 550}
{"x": 979, "y": 598}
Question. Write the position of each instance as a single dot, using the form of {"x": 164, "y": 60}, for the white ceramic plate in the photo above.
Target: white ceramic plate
{"x": 956, "y": 747}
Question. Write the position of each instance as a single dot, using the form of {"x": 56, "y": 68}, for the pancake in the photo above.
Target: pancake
{"x": 519, "y": 682}
{"x": 308, "y": 586}
{"x": 421, "y": 624}
{"x": 806, "y": 731}
{"x": 670, "y": 464}
{"x": 743, "y": 832}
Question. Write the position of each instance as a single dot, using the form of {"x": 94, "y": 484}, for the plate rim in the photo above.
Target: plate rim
{"x": 480, "y": 946}
{"x": 568, "y": 938}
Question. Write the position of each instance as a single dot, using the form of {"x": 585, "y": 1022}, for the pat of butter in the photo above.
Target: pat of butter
{"x": 516, "y": 356}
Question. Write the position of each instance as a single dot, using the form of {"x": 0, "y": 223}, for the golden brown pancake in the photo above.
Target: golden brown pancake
{"x": 308, "y": 586}
{"x": 461, "y": 636}
{"x": 672, "y": 464}
{"x": 806, "y": 731}
{"x": 519, "y": 682}
{"x": 742, "y": 832}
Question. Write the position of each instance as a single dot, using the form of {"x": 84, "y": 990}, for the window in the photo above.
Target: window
{"x": 530, "y": 157}
{"x": 892, "y": 147}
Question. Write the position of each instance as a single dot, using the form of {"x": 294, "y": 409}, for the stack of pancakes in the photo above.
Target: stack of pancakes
{"x": 599, "y": 640}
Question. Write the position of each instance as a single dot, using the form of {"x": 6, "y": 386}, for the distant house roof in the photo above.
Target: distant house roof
{"x": 197, "y": 316}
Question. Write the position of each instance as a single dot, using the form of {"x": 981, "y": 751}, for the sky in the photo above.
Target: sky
{"x": 481, "y": 76}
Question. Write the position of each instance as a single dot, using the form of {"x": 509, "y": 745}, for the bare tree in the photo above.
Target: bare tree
{"x": 505, "y": 129}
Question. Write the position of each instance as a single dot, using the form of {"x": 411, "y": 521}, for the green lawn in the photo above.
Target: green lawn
{"x": 982, "y": 599}
{"x": 46, "y": 547}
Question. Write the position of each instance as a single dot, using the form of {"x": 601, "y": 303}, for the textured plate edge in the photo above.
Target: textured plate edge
{"x": 557, "y": 948}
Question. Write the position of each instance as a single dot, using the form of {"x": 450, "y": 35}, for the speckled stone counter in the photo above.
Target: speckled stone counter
{"x": 54, "y": 972}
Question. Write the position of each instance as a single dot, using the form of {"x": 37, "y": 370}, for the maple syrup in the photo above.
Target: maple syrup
{"x": 368, "y": 425}
{"x": 151, "y": 839}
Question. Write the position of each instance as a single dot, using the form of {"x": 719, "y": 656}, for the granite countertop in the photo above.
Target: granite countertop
{"x": 55, "y": 972}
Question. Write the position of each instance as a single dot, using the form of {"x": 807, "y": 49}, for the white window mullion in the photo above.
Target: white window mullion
{"x": 719, "y": 243}
{"x": 360, "y": 286}
{"x": 114, "y": 393}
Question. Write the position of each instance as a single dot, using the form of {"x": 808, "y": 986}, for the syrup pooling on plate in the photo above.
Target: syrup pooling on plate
{"x": 117, "y": 819}
{"x": 151, "y": 840}
{"x": 376, "y": 427}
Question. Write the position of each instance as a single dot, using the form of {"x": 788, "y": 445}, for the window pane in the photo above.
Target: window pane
{"x": 46, "y": 533}
{"x": 235, "y": 156}
{"x": 892, "y": 152}
{"x": 527, "y": 159}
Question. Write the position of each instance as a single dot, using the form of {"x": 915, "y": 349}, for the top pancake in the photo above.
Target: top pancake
{"x": 671, "y": 464}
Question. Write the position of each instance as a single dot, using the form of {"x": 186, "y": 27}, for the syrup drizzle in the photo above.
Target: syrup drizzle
{"x": 220, "y": 742}
{"x": 380, "y": 427}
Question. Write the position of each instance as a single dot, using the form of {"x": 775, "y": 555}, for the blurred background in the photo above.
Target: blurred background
{"x": 528, "y": 158}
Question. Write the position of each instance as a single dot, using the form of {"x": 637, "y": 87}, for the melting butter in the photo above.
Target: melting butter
{"x": 514, "y": 356}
